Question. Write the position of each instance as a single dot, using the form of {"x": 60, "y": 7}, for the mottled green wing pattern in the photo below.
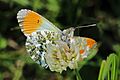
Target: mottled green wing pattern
{"x": 36, "y": 45}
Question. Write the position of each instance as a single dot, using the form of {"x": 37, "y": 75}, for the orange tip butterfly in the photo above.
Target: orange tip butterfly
{"x": 51, "y": 47}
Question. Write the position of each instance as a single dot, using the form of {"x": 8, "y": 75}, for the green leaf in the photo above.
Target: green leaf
{"x": 53, "y": 5}
{"x": 22, "y": 2}
{"x": 3, "y": 43}
{"x": 37, "y": 4}
{"x": 108, "y": 69}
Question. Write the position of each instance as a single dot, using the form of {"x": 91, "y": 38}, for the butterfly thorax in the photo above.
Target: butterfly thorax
{"x": 67, "y": 34}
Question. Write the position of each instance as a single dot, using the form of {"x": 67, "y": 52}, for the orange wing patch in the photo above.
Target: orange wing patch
{"x": 31, "y": 22}
{"x": 82, "y": 51}
{"x": 90, "y": 42}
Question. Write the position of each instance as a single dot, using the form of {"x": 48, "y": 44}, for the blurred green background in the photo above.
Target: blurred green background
{"x": 15, "y": 64}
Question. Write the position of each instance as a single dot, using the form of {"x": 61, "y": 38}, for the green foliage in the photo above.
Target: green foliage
{"x": 22, "y": 2}
{"x": 109, "y": 68}
{"x": 53, "y": 5}
{"x": 3, "y": 43}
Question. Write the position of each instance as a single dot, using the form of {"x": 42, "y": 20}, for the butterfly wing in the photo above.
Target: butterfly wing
{"x": 30, "y": 22}
{"x": 85, "y": 45}
{"x": 36, "y": 45}
{"x": 39, "y": 32}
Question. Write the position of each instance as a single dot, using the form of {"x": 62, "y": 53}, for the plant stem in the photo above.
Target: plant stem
{"x": 78, "y": 77}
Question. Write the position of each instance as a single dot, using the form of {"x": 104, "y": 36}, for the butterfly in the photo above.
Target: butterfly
{"x": 51, "y": 47}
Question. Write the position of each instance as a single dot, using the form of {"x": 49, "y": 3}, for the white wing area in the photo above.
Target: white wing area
{"x": 47, "y": 25}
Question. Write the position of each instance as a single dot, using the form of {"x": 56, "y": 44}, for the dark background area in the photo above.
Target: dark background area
{"x": 15, "y": 64}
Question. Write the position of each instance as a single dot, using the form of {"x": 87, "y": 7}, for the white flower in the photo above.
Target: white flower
{"x": 60, "y": 56}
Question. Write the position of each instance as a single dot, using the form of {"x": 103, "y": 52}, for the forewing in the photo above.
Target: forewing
{"x": 30, "y": 22}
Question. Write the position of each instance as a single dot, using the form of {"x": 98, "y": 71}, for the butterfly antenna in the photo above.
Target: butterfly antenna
{"x": 85, "y": 26}
{"x": 15, "y": 28}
